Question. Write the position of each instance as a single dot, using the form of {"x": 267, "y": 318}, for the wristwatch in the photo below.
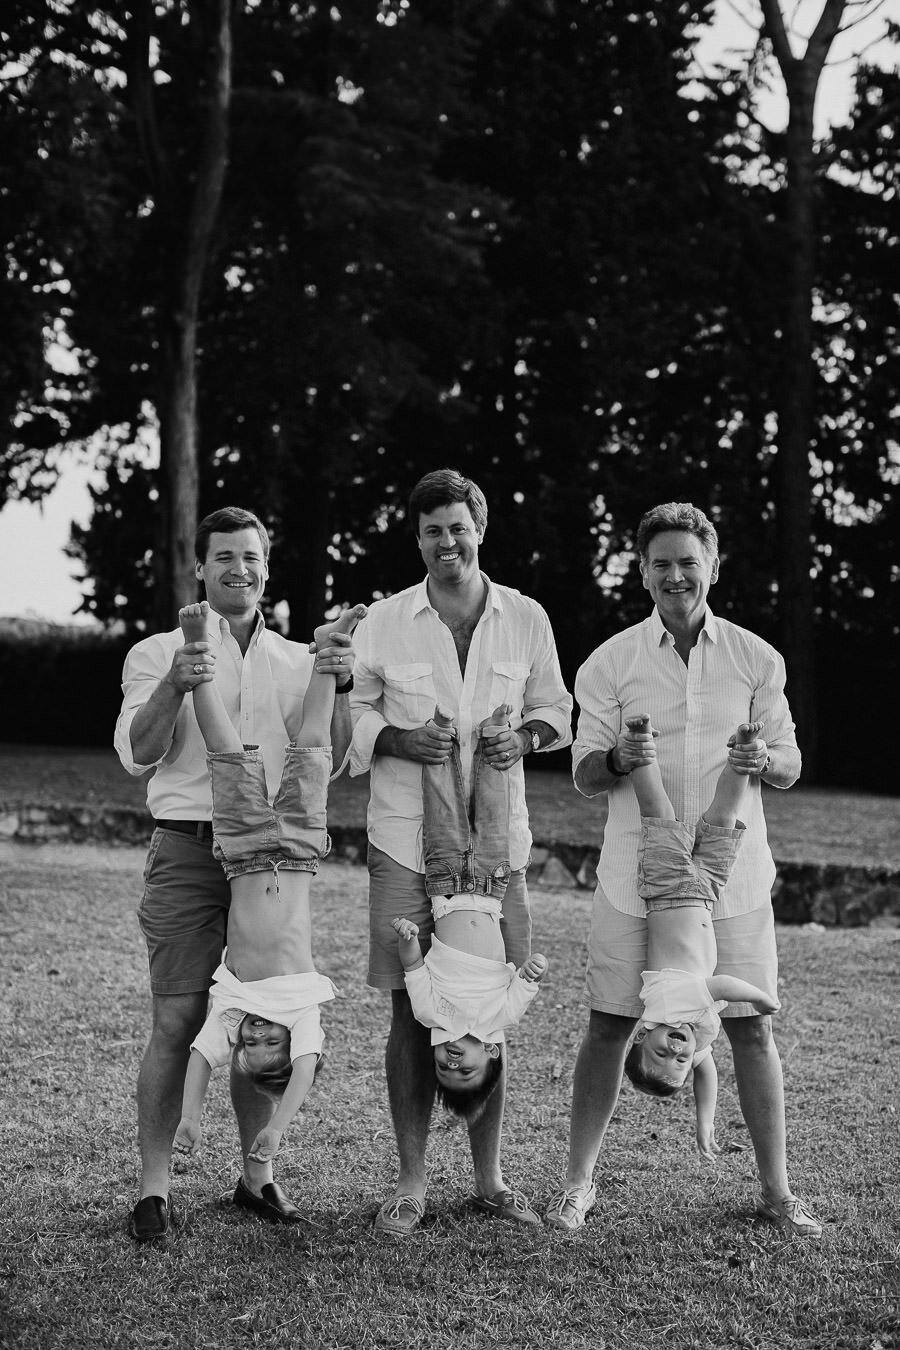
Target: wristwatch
{"x": 534, "y": 736}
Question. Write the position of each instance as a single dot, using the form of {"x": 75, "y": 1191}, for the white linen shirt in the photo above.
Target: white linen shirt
{"x": 262, "y": 692}
{"x": 732, "y": 676}
{"x": 407, "y": 663}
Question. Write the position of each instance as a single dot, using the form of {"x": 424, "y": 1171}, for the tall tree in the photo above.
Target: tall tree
{"x": 796, "y": 400}
{"x": 185, "y": 167}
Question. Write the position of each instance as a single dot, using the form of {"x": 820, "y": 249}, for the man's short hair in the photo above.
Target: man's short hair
{"x": 443, "y": 487}
{"x": 228, "y": 520}
{"x": 676, "y": 516}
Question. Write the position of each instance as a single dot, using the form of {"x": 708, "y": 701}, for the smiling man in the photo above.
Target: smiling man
{"x": 262, "y": 678}
{"x": 697, "y": 677}
{"x": 456, "y": 641}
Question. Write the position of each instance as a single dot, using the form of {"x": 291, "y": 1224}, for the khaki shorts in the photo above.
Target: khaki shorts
{"x": 183, "y": 913}
{"x": 396, "y": 892}
{"x": 617, "y": 953}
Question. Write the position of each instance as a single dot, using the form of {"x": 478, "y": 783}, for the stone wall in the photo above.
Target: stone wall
{"x": 847, "y": 897}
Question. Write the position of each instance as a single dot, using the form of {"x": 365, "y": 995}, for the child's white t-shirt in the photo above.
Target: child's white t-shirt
{"x": 671, "y": 997}
{"x": 457, "y": 994}
{"x": 290, "y": 1000}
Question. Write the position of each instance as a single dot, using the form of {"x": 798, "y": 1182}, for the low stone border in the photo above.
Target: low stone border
{"x": 835, "y": 896}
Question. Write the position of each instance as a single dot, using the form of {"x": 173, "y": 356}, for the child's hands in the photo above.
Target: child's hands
{"x": 405, "y": 929}
{"x": 766, "y": 1005}
{"x": 188, "y": 1136}
{"x": 706, "y": 1142}
{"x": 265, "y": 1145}
{"x": 535, "y": 968}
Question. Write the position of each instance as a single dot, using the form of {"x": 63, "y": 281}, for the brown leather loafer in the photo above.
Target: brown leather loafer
{"x": 272, "y": 1204}
{"x": 152, "y": 1218}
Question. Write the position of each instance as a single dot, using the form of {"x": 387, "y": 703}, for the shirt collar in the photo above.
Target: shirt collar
{"x": 661, "y": 634}
{"x": 218, "y": 627}
{"x": 421, "y": 601}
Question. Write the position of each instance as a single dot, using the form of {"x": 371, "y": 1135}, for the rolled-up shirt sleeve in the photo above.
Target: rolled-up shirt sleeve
{"x": 770, "y": 705}
{"x": 599, "y": 712}
{"x": 144, "y": 667}
{"x": 546, "y": 697}
{"x": 366, "y": 705}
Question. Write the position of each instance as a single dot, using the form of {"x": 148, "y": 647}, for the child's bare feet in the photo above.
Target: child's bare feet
{"x": 498, "y": 720}
{"x": 747, "y": 733}
{"x": 442, "y": 720}
{"x": 345, "y": 622}
{"x": 192, "y": 620}
{"x": 639, "y": 725}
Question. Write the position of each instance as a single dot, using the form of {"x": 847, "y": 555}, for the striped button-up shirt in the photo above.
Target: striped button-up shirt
{"x": 732, "y": 676}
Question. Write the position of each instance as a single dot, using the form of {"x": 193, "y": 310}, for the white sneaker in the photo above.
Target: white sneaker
{"x": 568, "y": 1209}
{"x": 790, "y": 1214}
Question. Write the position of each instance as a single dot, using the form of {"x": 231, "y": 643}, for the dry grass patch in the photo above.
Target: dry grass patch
{"x": 672, "y": 1257}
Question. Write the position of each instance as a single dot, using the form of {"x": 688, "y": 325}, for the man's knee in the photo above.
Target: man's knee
{"x": 749, "y": 1035}
{"x": 176, "y": 1019}
{"x": 608, "y": 1029}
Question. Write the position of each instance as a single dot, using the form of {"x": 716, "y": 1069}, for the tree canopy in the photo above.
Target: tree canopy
{"x": 519, "y": 239}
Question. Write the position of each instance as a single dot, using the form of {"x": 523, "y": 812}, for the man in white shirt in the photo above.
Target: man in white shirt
{"x": 183, "y": 912}
{"x": 461, "y": 643}
{"x": 697, "y": 677}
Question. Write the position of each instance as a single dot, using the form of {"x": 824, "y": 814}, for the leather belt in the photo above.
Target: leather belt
{"x": 200, "y": 829}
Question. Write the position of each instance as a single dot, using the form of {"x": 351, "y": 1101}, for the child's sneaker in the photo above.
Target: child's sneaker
{"x": 790, "y": 1214}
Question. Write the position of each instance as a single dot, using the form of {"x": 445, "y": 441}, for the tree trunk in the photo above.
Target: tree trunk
{"x": 796, "y": 402}
{"x": 189, "y": 207}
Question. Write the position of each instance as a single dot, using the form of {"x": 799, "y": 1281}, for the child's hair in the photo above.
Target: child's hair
{"x": 470, "y": 1104}
{"x": 644, "y": 1081}
{"x": 273, "y": 1079}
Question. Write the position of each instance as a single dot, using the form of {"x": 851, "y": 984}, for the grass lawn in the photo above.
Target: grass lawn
{"x": 672, "y": 1256}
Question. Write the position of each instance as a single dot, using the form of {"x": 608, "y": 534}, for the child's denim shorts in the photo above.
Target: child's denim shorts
{"x": 679, "y": 868}
{"x": 252, "y": 835}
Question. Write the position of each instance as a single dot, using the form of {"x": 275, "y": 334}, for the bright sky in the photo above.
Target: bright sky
{"x": 39, "y": 578}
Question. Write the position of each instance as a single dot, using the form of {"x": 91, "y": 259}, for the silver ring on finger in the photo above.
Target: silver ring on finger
{"x": 340, "y": 660}
{"x": 198, "y": 669}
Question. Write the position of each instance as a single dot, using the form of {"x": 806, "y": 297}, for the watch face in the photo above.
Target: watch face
{"x": 535, "y": 741}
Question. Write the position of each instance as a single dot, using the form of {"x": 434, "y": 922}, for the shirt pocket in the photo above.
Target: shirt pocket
{"x": 508, "y": 680}
{"x": 409, "y": 689}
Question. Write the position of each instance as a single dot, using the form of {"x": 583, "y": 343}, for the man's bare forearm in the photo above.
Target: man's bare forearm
{"x": 784, "y": 766}
{"x": 592, "y": 775}
{"x": 153, "y": 725}
{"x": 341, "y": 729}
{"x": 392, "y": 741}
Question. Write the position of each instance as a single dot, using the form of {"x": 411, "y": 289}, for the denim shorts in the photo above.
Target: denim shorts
{"x": 252, "y": 835}
{"x": 678, "y": 867}
{"x": 396, "y": 892}
{"x": 465, "y": 835}
{"x": 183, "y": 913}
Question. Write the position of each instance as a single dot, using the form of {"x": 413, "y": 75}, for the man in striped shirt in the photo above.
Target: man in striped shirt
{"x": 697, "y": 677}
